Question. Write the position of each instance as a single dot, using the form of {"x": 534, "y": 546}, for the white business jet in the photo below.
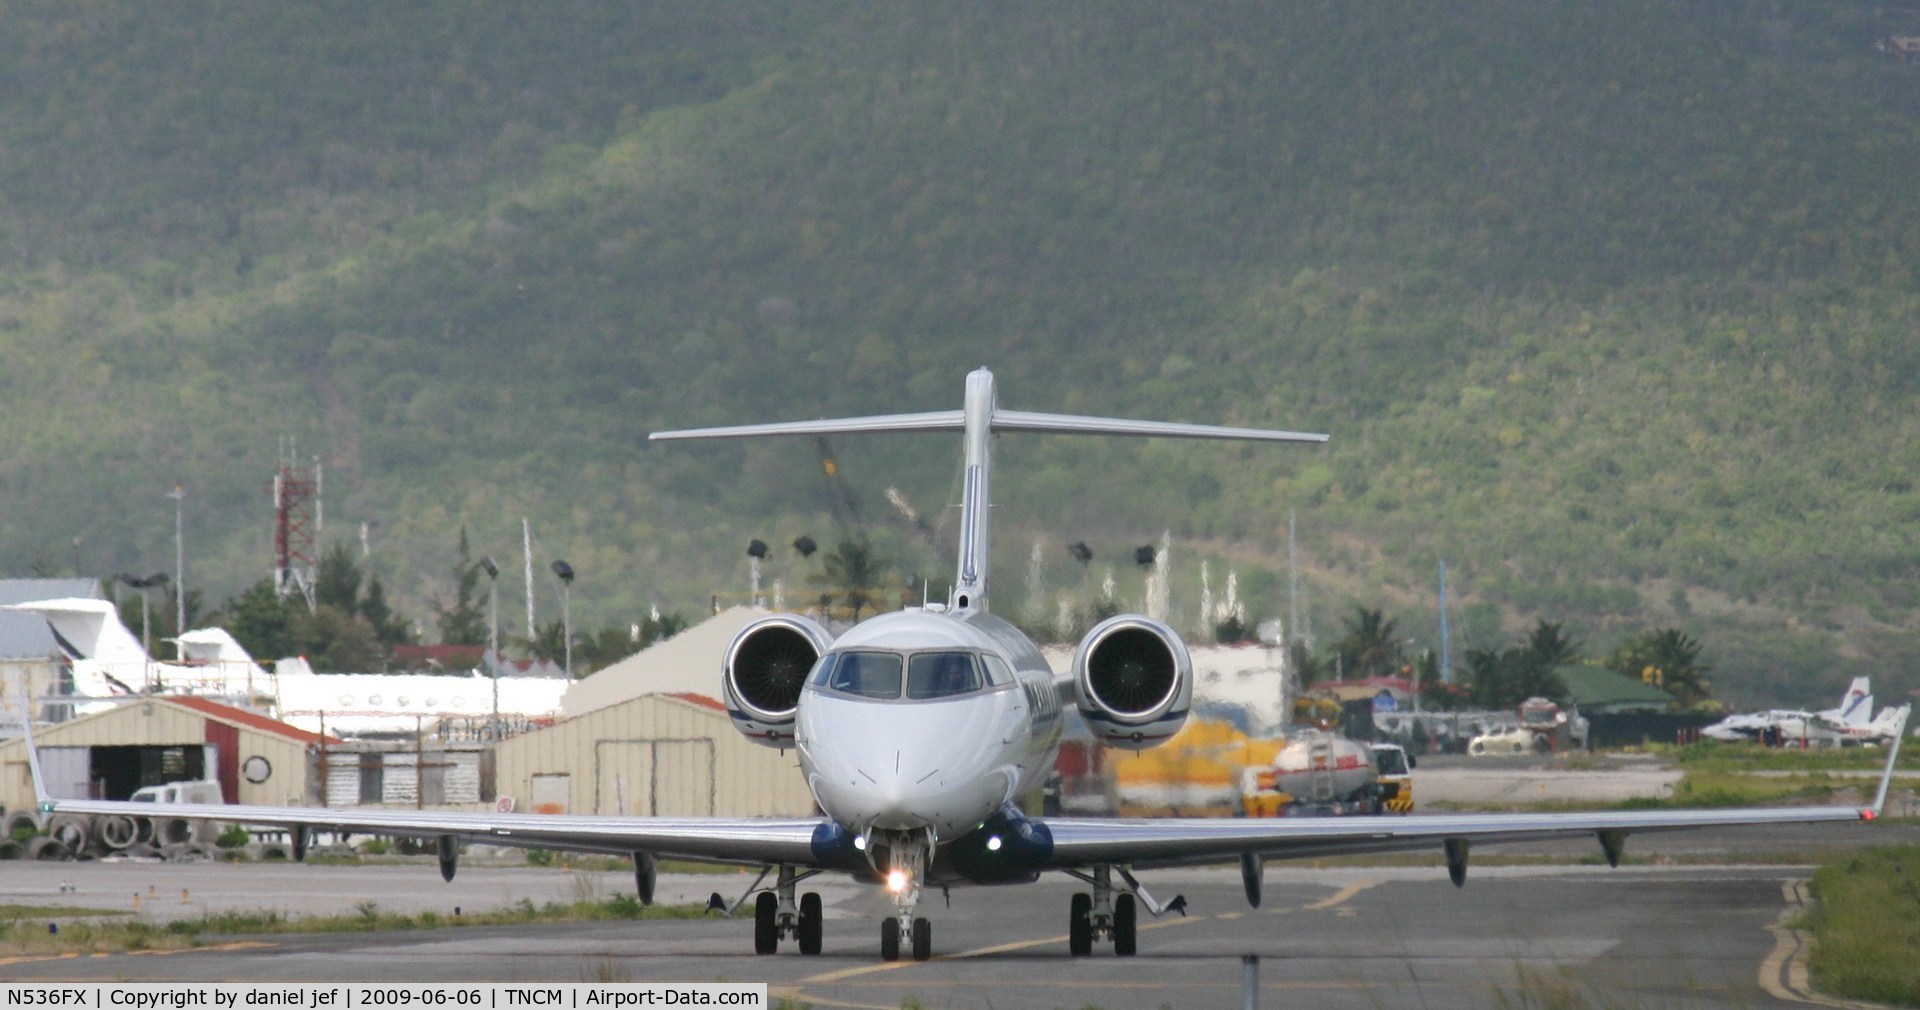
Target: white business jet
{"x": 919, "y": 731}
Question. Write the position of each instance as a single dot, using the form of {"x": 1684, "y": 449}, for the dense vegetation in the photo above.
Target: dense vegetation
{"x": 1609, "y": 305}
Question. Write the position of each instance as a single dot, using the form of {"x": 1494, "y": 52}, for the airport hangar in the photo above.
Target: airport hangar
{"x": 643, "y": 737}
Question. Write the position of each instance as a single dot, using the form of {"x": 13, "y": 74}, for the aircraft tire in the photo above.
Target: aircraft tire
{"x": 766, "y": 928}
{"x": 1080, "y": 925}
{"x": 889, "y": 939}
{"x": 810, "y": 925}
{"x": 922, "y": 939}
{"x": 1123, "y": 923}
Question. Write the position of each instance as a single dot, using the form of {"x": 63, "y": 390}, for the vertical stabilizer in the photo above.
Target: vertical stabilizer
{"x": 970, "y": 584}
{"x": 1856, "y": 706}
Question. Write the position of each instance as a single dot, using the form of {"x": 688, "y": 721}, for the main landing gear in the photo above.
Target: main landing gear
{"x": 1105, "y": 915}
{"x": 777, "y": 916}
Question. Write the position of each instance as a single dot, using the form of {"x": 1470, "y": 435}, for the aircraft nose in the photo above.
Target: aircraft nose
{"x": 900, "y": 766}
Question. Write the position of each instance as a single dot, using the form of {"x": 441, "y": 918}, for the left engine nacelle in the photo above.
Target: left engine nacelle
{"x": 1132, "y": 682}
{"x": 764, "y": 670}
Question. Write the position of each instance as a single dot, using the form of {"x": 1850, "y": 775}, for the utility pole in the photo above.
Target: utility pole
{"x": 493, "y": 632}
{"x": 179, "y": 496}
{"x": 526, "y": 550}
{"x": 1293, "y": 587}
{"x": 565, "y": 573}
{"x": 1446, "y": 657}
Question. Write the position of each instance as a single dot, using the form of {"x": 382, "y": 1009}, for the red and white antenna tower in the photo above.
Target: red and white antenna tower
{"x": 296, "y": 524}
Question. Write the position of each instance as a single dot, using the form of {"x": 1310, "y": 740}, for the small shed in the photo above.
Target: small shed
{"x": 663, "y": 755}
{"x": 156, "y": 739}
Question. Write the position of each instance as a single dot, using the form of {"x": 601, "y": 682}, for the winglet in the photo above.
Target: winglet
{"x": 1886, "y": 777}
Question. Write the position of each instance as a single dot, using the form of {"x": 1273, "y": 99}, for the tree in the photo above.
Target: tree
{"x": 853, "y": 572}
{"x": 549, "y": 642}
{"x": 463, "y": 622}
{"x": 1510, "y": 676}
{"x": 336, "y": 583}
{"x": 389, "y": 627}
{"x": 1550, "y": 645}
{"x": 1370, "y": 647}
{"x": 261, "y": 622}
{"x": 1667, "y": 658}
{"x": 1308, "y": 669}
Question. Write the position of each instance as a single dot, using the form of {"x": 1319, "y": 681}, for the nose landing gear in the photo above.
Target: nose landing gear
{"x": 908, "y": 854}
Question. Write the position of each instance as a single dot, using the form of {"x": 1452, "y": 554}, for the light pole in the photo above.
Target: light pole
{"x": 565, "y": 572}
{"x": 179, "y": 496}
{"x": 146, "y": 621}
{"x": 493, "y": 631}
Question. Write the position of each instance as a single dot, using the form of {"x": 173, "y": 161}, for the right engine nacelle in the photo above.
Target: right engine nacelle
{"x": 1132, "y": 682}
{"x": 765, "y": 668}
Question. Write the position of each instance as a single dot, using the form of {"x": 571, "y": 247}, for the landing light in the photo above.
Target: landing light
{"x": 993, "y": 843}
{"x": 896, "y": 881}
{"x": 860, "y": 842}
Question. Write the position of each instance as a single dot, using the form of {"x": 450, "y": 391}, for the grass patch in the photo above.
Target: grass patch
{"x": 1866, "y": 926}
{"x": 26, "y": 932}
{"x": 1731, "y": 757}
{"x": 1708, "y": 786}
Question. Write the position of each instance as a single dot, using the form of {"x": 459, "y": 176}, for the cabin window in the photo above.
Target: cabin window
{"x": 868, "y": 674}
{"x": 942, "y": 675}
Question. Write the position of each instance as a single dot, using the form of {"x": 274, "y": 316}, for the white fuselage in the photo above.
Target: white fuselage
{"x": 941, "y": 763}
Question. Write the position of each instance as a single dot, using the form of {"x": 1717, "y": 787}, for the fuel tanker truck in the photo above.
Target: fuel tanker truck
{"x": 1213, "y": 769}
{"x": 1319, "y": 773}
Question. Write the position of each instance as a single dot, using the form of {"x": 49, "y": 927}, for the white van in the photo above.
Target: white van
{"x": 180, "y": 792}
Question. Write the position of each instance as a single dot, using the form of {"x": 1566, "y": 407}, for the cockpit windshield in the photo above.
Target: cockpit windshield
{"x": 868, "y": 674}
{"x": 941, "y": 674}
{"x": 926, "y": 674}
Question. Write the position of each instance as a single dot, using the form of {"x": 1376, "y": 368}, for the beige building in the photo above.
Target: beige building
{"x": 166, "y": 738}
{"x": 687, "y": 663}
{"x": 655, "y": 755}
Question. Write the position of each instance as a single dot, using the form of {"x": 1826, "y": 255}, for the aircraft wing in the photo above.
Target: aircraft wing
{"x": 744, "y": 840}
{"x": 1147, "y": 842}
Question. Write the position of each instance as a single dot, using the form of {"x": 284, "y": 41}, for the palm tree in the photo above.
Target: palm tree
{"x": 1677, "y": 656}
{"x": 1370, "y": 647}
{"x": 1551, "y": 645}
{"x": 853, "y": 573}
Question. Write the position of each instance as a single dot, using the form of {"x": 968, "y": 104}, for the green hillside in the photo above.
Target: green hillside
{"x": 1609, "y": 305}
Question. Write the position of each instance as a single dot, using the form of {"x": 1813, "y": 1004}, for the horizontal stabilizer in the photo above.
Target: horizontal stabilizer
{"x": 1002, "y": 420}
{"x": 937, "y": 420}
{"x": 1074, "y": 424}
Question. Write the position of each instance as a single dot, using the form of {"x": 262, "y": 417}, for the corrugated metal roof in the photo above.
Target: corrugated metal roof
{"x": 251, "y": 720}
{"x": 26, "y": 636}
{"x": 1598, "y": 690}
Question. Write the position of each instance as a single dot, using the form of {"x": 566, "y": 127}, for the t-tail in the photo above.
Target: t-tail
{"x": 979, "y": 418}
